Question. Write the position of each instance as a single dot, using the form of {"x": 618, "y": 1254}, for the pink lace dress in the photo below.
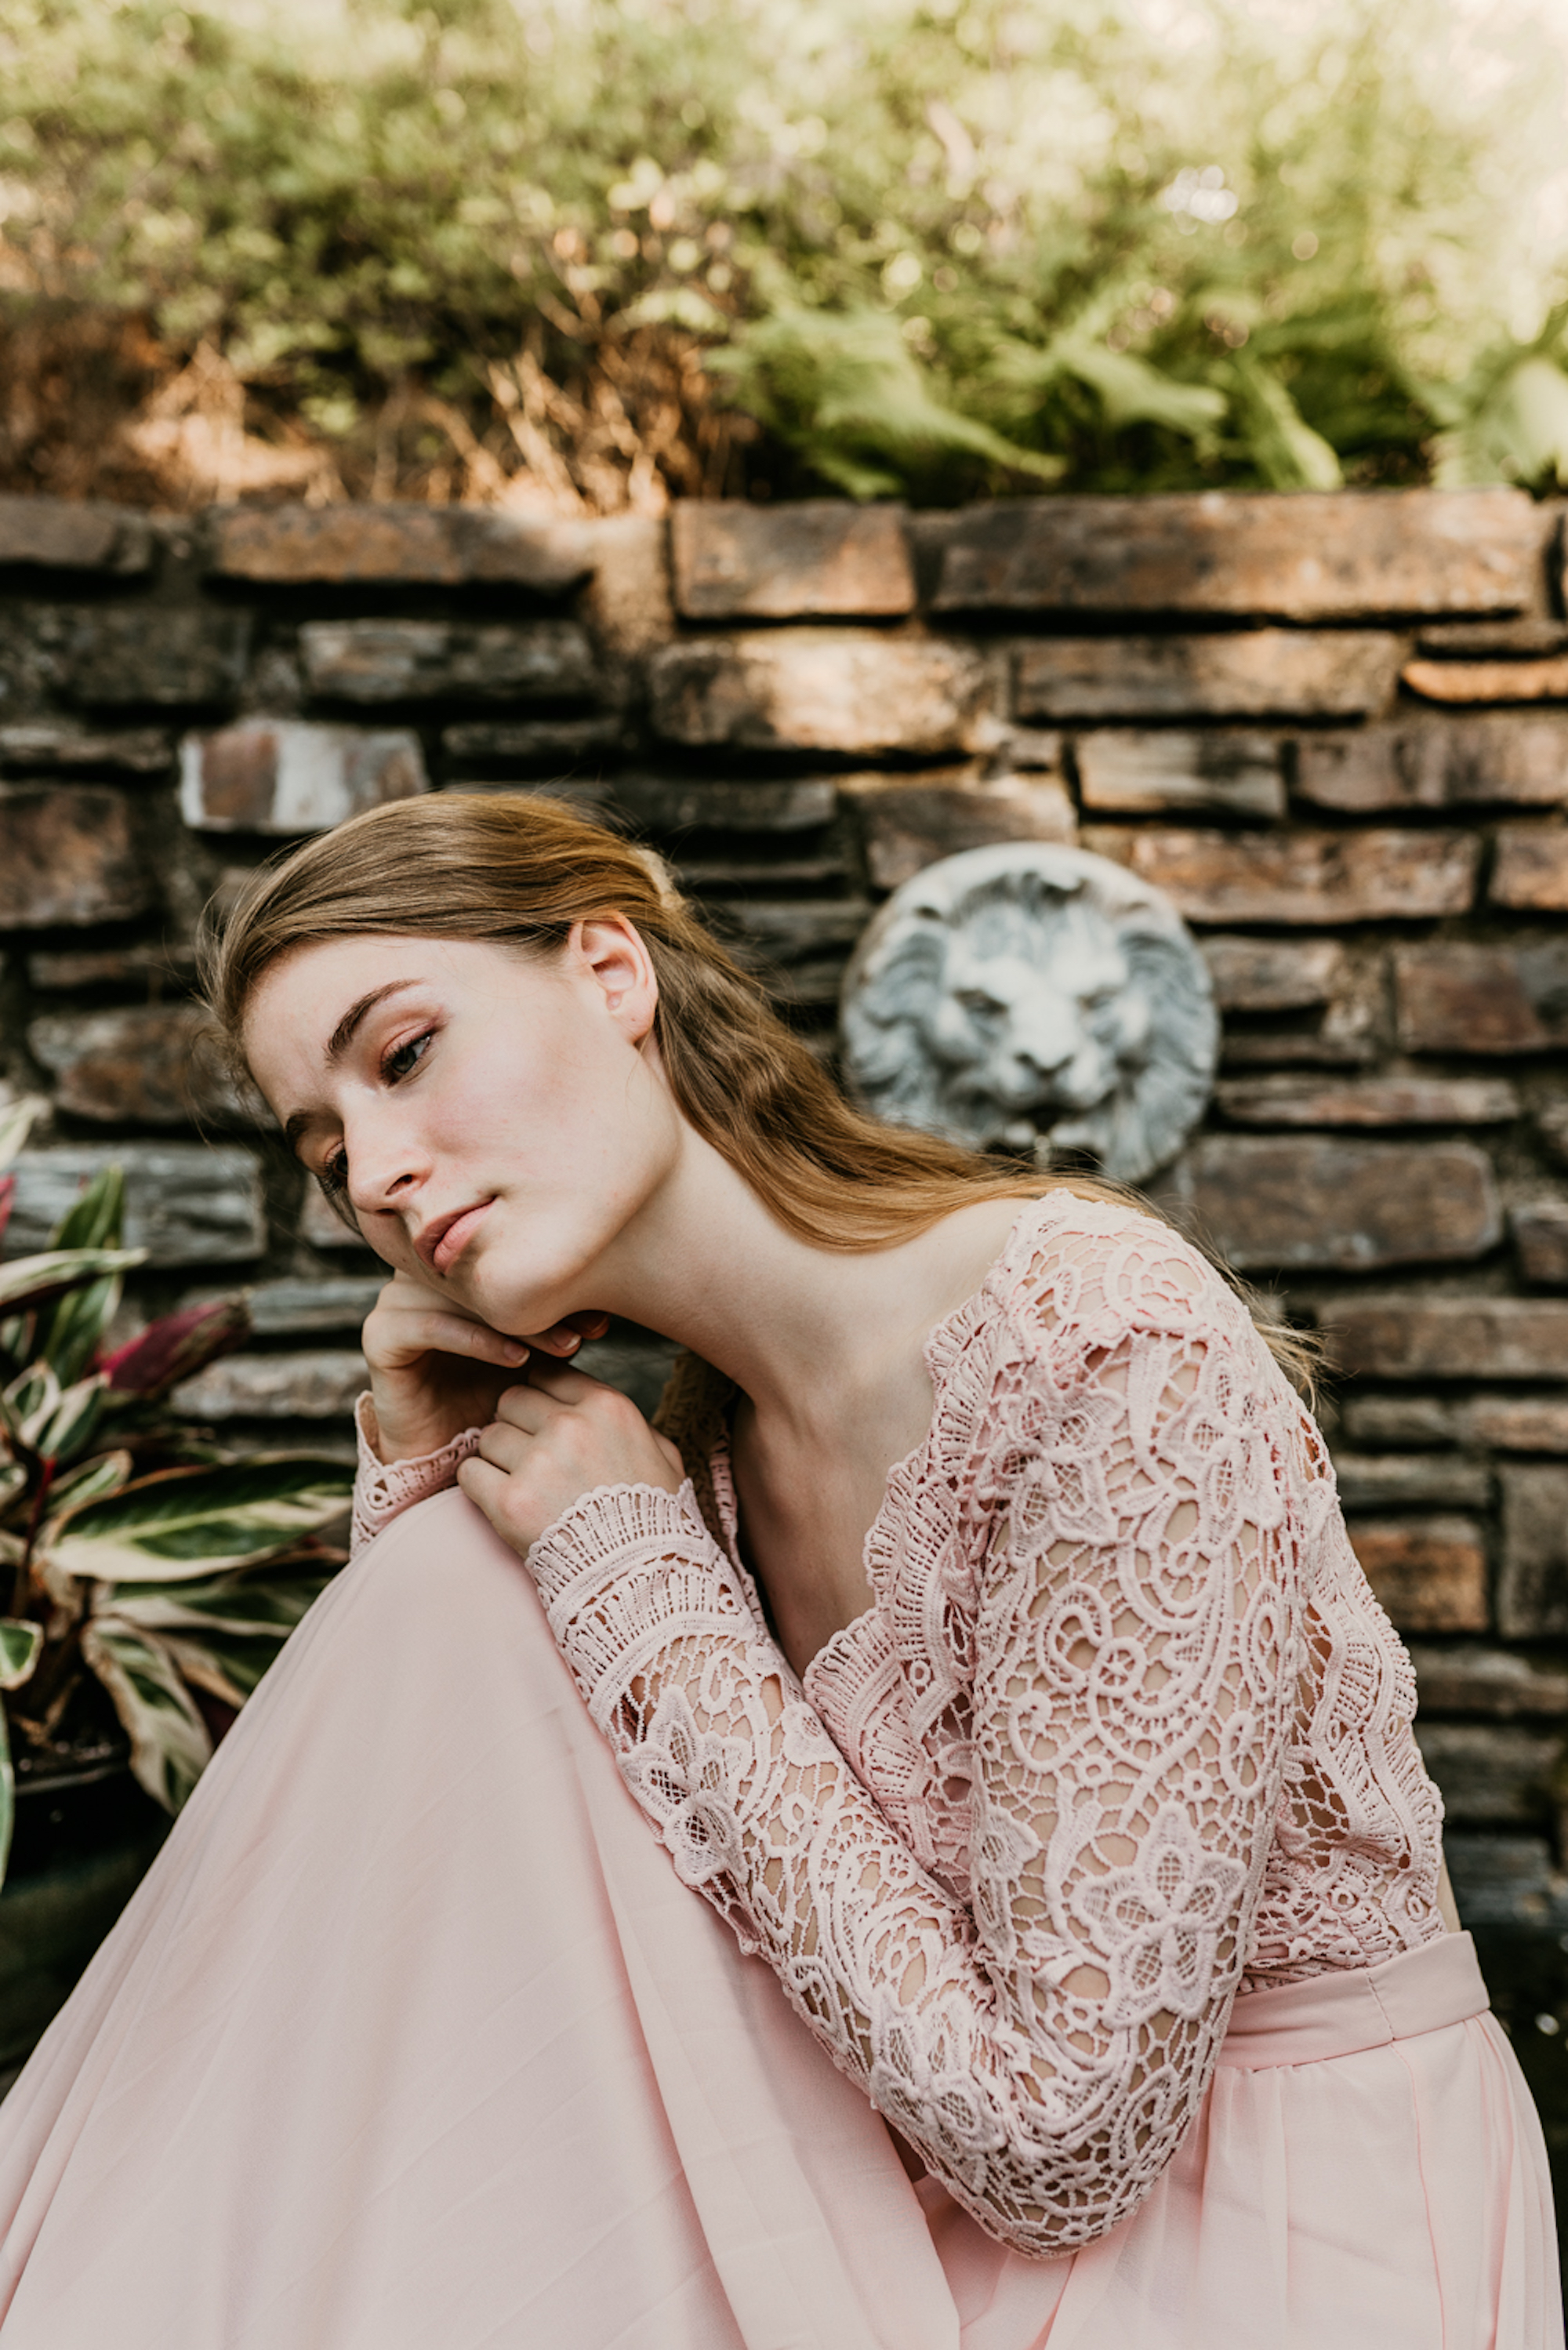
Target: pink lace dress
{"x": 1096, "y": 1855}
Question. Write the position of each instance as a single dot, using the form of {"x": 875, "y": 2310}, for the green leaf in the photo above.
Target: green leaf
{"x": 1286, "y": 450}
{"x": 188, "y": 1524}
{"x": 106, "y": 1474}
{"x": 97, "y": 1219}
{"x": 30, "y": 1282}
{"x": 254, "y": 1606}
{"x": 69, "y": 1338}
{"x": 1518, "y": 434}
{"x": 170, "y": 1745}
{"x": 15, "y": 1120}
{"x": 69, "y": 1427}
{"x": 20, "y": 1643}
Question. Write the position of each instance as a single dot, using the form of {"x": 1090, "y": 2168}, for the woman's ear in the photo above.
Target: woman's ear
{"x": 612, "y": 951}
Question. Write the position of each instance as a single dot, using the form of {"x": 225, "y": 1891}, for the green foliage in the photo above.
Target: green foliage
{"x": 135, "y": 1570}
{"x": 932, "y": 245}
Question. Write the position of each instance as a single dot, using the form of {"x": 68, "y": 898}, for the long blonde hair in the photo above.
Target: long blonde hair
{"x": 522, "y": 870}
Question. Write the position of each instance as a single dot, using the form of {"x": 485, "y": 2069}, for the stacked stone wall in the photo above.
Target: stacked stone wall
{"x": 1333, "y": 729}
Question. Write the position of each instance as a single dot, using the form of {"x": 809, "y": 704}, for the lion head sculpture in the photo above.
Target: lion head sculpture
{"x": 1034, "y": 997}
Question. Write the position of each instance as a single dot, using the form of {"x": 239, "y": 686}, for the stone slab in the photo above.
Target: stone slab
{"x": 1429, "y": 1572}
{"x": 672, "y": 805}
{"x": 799, "y": 946}
{"x": 908, "y": 824}
{"x": 1530, "y": 868}
{"x": 1485, "y": 760}
{"x": 1273, "y": 974}
{"x": 1533, "y": 1585}
{"x": 437, "y": 546}
{"x": 812, "y": 558}
{"x": 850, "y": 691}
{"x": 1377, "y": 1419}
{"x": 320, "y": 1225}
{"x": 143, "y": 1065}
{"x": 1448, "y": 1338}
{"x": 1501, "y": 1774}
{"x": 1540, "y": 1237}
{"x": 1488, "y": 680}
{"x": 317, "y": 1383}
{"x": 1366, "y": 1101}
{"x": 1458, "y": 997}
{"x": 552, "y": 742}
{"x": 291, "y": 775}
{"x": 1466, "y": 640}
{"x": 290, "y": 1308}
{"x": 1298, "y": 878}
{"x": 1507, "y": 1880}
{"x": 149, "y": 965}
{"x": 1488, "y": 1681}
{"x": 185, "y": 1202}
{"x": 123, "y": 657}
{"x": 1123, "y": 773}
{"x": 71, "y": 535}
{"x": 1240, "y": 673}
{"x": 421, "y": 660}
{"x": 48, "y": 747}
{"x": 1420, "y": 1481}
{"x": 68, "y": 857}
{"x": 1354, "y": 556}
{"x": 1516, "y": 1423}
{"x": 1307, "y": 1203}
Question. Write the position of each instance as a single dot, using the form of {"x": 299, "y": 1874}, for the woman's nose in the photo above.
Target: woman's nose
{"x": 385, "y": 1169}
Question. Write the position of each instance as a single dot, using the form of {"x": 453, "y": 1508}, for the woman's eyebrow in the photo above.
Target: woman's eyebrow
{"x": 342, "y": 1036}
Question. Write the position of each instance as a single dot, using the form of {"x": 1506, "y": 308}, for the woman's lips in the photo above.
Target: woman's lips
{"x": 457, "y": 1235}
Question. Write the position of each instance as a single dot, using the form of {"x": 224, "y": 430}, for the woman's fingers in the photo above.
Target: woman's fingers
{"x": 564, "y": 1337}
{"x": 485, "y": 1484}
{"x": 503, "y": 1446}
{"x": 402, "y": 1335}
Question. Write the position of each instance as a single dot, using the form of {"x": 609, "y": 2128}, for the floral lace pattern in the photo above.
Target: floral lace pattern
{"x": 1124, "y": 1727}
{"x": 383, "y": 1489}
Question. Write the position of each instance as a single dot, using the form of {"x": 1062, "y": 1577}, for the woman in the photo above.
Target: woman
{"x": 980, "y": 1637}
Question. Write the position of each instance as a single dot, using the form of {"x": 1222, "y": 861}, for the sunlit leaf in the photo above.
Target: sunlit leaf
{"x": 15, "y": 1119}
{"x": 255, "y": 1605}
{"x": 186, "y": 1524}
{"x": 66, "y": 1430}
{"x": 170, "y": 1744}
{"x": 1288, "y": 453}
{"x": 30, "y": 1282}
{"x": 20, "y": 1643}
{"x": 106, "y": 1474}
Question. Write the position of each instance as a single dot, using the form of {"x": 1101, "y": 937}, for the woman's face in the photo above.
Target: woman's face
{"x": 494, "y": 1121}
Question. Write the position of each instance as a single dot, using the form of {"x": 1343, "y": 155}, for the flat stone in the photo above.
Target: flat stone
{"x": 136, "y": 750}
{"x": 1466, "y": 640}
{"x": 185, "y": 1202}
{"x": 1243, "y": 673}
{"x": 553, "y": 742}
{"x": 908, "y": 824}
{"x": 1517, "y": 1423}
{"x": 756, "y": 875}
{"x": 438, "y": 547}
{"x": 1273, "y": 974}
{"x": 320, "y": 1225}
{"x": 1501, "y": 1774}
{"x": 419, "y": 660}
{"x": 1460, "y": 998}
{"x": 1448, "y": 1338}
{"x": 1429, "y": 1572}
{"x": 1540, "y": 1237}
{"x": 68, "y": 535}
{"x": 837, "y": 689}
{"x": 320, "y": 1384}
{"x": 1488, "y": 680}
{"x": 812, "y": 558}
{"x": 798, "y": 945}
{"x": 1368, "y": 1101}
{"x": 290, "y": 775}
{"x": 120, "y": 657}
{"x": 1477, "y": 762}
{"x": 626, "y": 602}
{"x": 1125, "y": 774}
{"x": 1532, "y": 1587}
{"x": 1396, "y": 1481}
{"x": 148, "y": 964}
{"x": 147, "y": 1064}
{"x": 1486, "y": 1680}
{"x": 1307, "y": 1203}
{"x": 68, "y": 857}
{"x": 1350, "y": 556}
{"x": 1399, "y": 1419}
{"x": 1507, "y": 1880}
{"x": 638, "y": 1367}
{"x": 1552, "y": 1126}
{"x": 300, "y": 1309}
{"x": 1298, "y": 878}
{"x": 666, "y": 805}
{"x": 1530, "y": 871}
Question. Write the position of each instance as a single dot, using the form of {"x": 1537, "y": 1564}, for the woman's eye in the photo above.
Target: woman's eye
{"x": 334, "y": 1176}
{"x": 404, "y": 1059}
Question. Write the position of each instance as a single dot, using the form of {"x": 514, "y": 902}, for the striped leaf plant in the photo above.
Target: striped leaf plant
{"x": 145, "y": 1574}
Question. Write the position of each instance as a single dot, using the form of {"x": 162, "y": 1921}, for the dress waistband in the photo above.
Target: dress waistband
{"x": 1345, "y": 2010}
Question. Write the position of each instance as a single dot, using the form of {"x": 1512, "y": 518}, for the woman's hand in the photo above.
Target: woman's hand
{"x": 436, "y": 1370}
{"x": 553, "y": 1439}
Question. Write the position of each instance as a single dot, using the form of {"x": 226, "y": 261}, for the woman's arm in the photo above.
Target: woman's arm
{"x": 1046, "y": 2048}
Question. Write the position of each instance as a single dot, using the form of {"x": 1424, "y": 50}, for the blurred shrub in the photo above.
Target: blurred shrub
{"x": 595, "y": 251}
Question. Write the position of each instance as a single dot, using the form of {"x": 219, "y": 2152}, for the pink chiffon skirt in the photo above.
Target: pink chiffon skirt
{"x": 412, "y": 2041}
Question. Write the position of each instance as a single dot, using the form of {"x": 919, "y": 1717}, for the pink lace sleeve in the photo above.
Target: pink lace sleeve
{"x": 383, "y": 1490}
{"x": 1045, "y": 2045}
